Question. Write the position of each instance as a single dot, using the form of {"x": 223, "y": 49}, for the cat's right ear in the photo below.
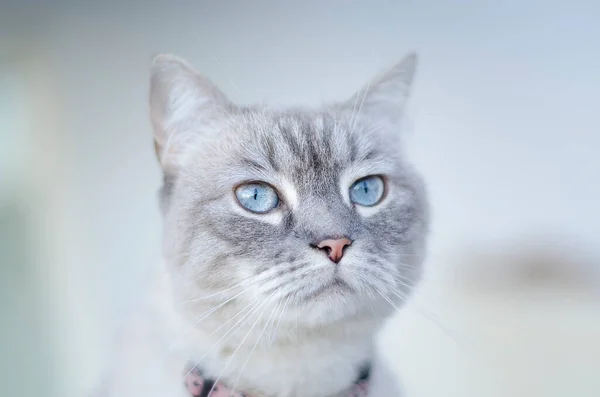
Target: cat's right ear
{"x": 183, "y": 105}
{"x": 384, "y": 98}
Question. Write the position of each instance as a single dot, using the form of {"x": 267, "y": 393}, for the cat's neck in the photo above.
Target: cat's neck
{"x": 301, "y": 363}
{"x": 268, "y": 354}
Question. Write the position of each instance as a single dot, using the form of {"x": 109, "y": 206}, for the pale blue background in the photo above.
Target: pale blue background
{"x": 503, "y": 123}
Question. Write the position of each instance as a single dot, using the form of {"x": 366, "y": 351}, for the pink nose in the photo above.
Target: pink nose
{"x": 334, "y": 247}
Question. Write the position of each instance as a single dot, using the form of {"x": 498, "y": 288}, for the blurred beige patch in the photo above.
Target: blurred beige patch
{"x": 515, "y": 321}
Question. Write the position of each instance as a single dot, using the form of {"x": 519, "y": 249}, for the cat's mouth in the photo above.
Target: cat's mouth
{"x": 336, "y": 287}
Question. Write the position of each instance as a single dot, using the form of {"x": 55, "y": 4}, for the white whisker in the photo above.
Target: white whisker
{"x": 238, "y": 348}
{"x": 214, "y": 309}
{"x": 360, "y": 107}
{"x": 387, "y": 299}
{"x": 273, "y": 334}
{"x": 275, "y": 317}
{"x": 431, "y": 317}
{"x": 253, "y": 348}
{"x": 234, "y": 328}
{"x": 205, "y": 315}
{"x": 216, "y": 293}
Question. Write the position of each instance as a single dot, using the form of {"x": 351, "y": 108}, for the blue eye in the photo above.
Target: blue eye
{"x": 257, "y": 197}
{"x": 367, "y": 191}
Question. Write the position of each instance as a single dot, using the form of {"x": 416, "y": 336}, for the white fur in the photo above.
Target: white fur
{"x": 289, "y": 192}
{"x": 154, "y": 349}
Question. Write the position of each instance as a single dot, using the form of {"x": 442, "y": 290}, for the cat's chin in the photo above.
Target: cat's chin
{"x": 335, "y": 305}
{"x": 335, "y": 289}
{"x": 321, "y": 314}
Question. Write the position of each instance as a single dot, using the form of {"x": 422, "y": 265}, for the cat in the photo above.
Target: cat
{"x": 289, "y": 237}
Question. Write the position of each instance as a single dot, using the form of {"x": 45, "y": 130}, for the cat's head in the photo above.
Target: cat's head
{"x": 314, "y": 209}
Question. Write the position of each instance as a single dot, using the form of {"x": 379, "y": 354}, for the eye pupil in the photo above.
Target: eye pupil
{"x": 257, "y": 197}
{"x": 367, "y": 191}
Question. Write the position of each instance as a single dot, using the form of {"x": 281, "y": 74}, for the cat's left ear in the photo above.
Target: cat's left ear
{"x": 384, "y": 98}
{"x": 184, "y": 105}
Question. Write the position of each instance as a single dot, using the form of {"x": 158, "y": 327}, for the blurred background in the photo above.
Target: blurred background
{"x": 503, "y": 124}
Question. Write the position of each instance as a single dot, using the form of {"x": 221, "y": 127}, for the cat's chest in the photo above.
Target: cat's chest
{"x": 318, "y": 369}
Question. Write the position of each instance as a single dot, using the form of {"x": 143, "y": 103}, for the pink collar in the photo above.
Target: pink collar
{"x": 198, "y": 386}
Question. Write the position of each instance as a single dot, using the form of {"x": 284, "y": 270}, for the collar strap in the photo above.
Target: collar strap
{"x": 199, "y": 386}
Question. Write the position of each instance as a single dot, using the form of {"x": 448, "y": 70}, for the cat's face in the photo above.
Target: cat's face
{"x": 314, "y": 210}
